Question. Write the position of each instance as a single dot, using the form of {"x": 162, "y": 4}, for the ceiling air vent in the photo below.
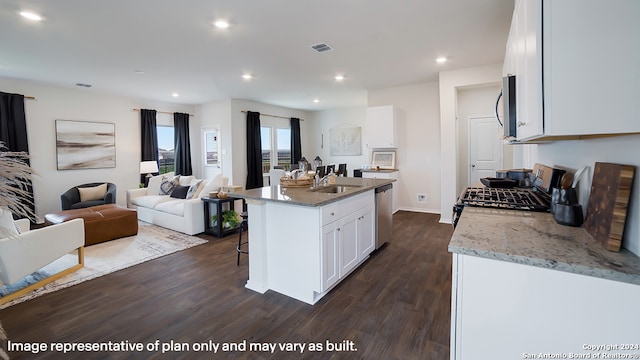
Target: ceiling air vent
{"x": 83, "y": 85}
{"x": 322, "y": 47}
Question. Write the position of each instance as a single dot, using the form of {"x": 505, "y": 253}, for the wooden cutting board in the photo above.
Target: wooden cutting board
{"x": 608, "y": 203}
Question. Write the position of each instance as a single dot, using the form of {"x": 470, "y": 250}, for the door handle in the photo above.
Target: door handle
{"x": 473, "y": 165}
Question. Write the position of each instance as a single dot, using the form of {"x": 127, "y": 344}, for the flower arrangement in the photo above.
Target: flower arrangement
{"x": 15, "y": 180}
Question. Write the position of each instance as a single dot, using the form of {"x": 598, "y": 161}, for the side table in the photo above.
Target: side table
{"x": 213, "y": 209}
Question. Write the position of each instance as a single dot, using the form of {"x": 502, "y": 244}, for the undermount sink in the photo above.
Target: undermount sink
{"x": 334, "y": 189}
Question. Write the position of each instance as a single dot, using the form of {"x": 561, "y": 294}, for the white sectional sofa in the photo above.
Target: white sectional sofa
{"x": 183, "y": 215}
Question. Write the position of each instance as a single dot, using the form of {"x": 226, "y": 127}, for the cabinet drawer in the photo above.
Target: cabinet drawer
{"x": 356, "y": 202}
{"x": 330, "y": 213}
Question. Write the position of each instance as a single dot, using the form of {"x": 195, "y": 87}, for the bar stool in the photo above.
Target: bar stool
{"x": 244, "y": 226}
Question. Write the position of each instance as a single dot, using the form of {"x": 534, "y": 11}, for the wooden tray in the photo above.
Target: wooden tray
{"x": 307, "y": 182}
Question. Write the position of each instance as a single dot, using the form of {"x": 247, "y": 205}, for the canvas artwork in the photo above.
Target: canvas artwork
{"x": 345, "y": 141}
{"x": 85, "y": 145}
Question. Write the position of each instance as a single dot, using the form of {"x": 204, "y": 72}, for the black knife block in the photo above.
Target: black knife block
{"x": 565, "y": 207}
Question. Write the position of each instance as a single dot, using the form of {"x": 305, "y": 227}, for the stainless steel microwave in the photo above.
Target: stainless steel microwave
{"x": 508, "y": 95}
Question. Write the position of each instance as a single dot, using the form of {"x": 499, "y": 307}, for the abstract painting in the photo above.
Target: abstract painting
{"x": 345, "y": 141}
{"x": 85, "y": 145}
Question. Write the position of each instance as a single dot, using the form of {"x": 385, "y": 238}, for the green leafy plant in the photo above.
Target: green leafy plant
{"x": 230, "y": 219}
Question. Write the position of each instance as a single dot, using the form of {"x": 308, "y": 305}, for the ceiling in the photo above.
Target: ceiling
{"x": 376, "y": 44}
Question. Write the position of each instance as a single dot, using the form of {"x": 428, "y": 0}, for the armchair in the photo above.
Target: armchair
{"x": 31, "y": 250}
{"x": 71, "y": 199}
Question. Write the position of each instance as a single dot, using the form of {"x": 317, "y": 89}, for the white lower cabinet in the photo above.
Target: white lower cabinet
{"x": 504, "y": 310}
{"x": 347, "y": 241}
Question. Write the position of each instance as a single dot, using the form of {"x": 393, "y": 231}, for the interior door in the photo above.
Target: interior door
{"x": 485, "y": 148}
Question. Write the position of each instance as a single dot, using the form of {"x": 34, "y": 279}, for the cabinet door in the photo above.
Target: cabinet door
{"x": 348, "y": 242}
{"x": 381, "y": 127}
{"x": 329, "y": 255}
{"x": 366, "y": 232}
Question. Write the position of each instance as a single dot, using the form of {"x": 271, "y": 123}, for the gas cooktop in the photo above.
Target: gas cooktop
{"x": 514, "y": 198}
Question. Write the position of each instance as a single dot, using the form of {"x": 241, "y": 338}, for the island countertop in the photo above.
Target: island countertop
{"x": 534, "y": 238}
{"x": 305, "y": 197}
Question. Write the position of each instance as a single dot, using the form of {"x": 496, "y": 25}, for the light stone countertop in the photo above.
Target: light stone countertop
{"x": 534, "y": 238}
{"x": 305, "y": 197}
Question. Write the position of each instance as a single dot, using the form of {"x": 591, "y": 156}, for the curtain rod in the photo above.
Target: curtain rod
{"x": 162, "y": 112}
{"x": 30, "y": 97}
{"x": 276, "y": 116}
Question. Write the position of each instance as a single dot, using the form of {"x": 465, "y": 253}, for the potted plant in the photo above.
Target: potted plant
{"x": 230, "y": 219}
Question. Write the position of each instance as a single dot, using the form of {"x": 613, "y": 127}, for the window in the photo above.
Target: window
{"x": 276, "y": 147}
{"x": 166, "y": 149}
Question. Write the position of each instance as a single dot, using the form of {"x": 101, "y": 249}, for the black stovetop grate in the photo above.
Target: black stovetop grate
{"x": 514, "y": 198}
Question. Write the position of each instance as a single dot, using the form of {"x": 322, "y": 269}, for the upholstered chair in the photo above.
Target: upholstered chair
{"x": 86, "y": 195}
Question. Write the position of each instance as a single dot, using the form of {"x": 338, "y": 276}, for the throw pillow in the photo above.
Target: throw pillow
{"x": 92, "y": 193}
{"x": 154, "y": 183}
{"x": 195, "y": 188}
{"x": 213, "y": 185}
{"x": 8, "y": 227}
{"x": 168, "y": 184}
{"x": 179, "y": 192}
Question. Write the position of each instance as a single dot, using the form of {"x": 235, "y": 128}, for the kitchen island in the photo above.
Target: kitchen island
{"x": 523, "y": 285}
{"x": 303, "y": 242}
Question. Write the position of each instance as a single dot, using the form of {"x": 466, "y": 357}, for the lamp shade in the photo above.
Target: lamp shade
{"x": 148, "y": 167}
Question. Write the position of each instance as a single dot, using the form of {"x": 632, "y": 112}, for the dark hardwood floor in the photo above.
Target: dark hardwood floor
{"x": 395, "y": 306}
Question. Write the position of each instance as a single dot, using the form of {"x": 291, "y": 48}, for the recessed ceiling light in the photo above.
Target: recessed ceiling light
{"x": 247, "y": 76}
{"x": 175, "y": 94}
{"x": 441, "y": 60}
{"x": 316, "y": 100}
{"x": 339, "y": 77}
{"x": 221, "y": 24}
{"x": 31, "y": 16}
{"x": 139, "y": 72}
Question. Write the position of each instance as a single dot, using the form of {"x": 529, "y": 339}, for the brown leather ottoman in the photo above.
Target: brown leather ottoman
{"x": 101, "y": 223}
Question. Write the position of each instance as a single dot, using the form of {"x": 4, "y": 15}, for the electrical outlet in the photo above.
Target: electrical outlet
{"x": 422, "y": 198}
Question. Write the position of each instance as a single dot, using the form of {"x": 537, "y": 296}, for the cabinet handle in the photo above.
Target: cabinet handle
{"x": 520, "y": 123}
{"x": 338, "y": 229}
{"x": 331, "y": 214}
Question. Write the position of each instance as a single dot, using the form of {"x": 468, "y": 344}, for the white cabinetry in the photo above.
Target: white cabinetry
{"x": 574, "y": 56}
{"x": 382, "y": 126}
{"x": 504, "y": 310}
{"x": 348, "y": 239}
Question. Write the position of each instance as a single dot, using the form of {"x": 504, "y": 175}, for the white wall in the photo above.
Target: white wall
{"x": 238, "y": 124}
{"x": 318, "y": 136}
{"x": 476, "y": 101}
{"x": 418, "y": 157}
{"x": 620, "y": 150}
{"x": 450, "y": 82}
{"x": 63, "y": 103}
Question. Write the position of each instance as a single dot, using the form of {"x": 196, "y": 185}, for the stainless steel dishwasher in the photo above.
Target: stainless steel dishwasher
{"x": 384, "y": 222}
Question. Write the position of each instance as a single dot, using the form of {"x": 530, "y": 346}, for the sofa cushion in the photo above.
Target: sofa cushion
{"x": 173, "y": 206}
{"x": 168, "y": 183}
{"x": 186, "y": 180}
{"x": 8, "y": 227}
{"x": 93, "y": 192}
{"x": 150, "y": 201}
{"x": 153, "y": 187}
{"x": 179, "y": 192}
{"x": 195, "y": 188}
{"x": 213, "y": 185}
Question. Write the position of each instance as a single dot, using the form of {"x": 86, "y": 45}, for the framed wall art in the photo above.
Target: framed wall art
{"x": 383, "y": 159}
{"x": 345, "y": 141}
{"x": 85, "y": 145}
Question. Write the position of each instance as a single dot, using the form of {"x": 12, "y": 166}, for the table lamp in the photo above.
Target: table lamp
{"x": 148, "y": 167}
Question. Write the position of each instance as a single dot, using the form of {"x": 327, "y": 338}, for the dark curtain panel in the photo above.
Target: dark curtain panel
{"x": 296, "y": 146}
{"x": 148, "y": 138}
{"x": 182, "y": 144}
{"x": 254, "y": 151}
{"x": 13, "y": 131}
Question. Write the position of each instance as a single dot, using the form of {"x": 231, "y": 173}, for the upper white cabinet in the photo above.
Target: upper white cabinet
{"x": 382, "y": 126}
{"x": 576, "y": 66}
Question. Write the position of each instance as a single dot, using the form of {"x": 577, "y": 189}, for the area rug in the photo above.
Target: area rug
{"x": 151, "y": 242}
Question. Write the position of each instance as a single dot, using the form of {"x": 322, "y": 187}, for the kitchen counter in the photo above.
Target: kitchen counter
{"x": 534, "y": 238}
{"x": 305, "y": 197}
